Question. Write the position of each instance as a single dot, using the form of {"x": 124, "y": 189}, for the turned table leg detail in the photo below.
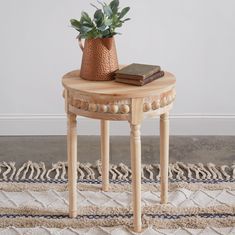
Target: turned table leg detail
{"x": 164, "y": 156}
{"x": 136, "y": 175}
{"x": 105, "y": 154}
{"x": 72, "y": 163}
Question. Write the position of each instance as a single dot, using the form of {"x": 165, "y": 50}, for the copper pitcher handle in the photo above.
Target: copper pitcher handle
{"x": 80, "y": 42}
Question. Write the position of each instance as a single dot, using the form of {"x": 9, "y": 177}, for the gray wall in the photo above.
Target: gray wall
{"x": 194, "y": 39}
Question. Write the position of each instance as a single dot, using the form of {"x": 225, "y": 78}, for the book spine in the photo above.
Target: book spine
{"x": 152, "y": 73}
{"x": 141, "y": 82}
{"x": 137, "y": 76}
{"x": 153, "y": 77}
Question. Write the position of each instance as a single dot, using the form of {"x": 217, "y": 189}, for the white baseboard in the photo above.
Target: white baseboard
{"x": 13, "y": 125}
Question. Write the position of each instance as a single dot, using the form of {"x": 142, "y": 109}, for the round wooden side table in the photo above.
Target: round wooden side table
{"x": 109, "y": 100}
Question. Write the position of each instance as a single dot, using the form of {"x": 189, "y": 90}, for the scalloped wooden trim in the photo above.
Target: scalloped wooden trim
{"x": 156, "y": 102}
{"x": 152, "y": 103}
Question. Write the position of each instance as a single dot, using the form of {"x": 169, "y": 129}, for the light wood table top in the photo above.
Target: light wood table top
{"x": 72, "y": 81}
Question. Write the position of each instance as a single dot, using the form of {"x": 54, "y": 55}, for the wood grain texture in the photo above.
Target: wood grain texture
{"x": 135, "y": 145}
{"x": 105, "y": 154}
{"x": 136, "y": 111}
{"x": 72, "y": 164}
{"x": 136, "y": 176}
{"x": 98, "y": 89}
{"x": 164, "y": 156}
{"x": 66, "y": 100}
{"x": 101, "y": 116}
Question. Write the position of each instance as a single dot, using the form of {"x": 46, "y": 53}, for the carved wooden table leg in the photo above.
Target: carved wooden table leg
{"x": 136, "y": 175}
{"x": 164, "y": 155}
{"x": 105, "y": 154}
{"x": 72, "y": 164}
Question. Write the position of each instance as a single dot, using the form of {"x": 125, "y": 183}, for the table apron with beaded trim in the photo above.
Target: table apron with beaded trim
{"x": 112, "y": 101}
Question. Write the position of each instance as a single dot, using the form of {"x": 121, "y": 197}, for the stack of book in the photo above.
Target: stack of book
{"x": 138, "y": 74}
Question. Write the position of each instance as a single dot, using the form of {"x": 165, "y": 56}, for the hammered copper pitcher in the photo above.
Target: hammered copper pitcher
{"x": 99, "y": 60}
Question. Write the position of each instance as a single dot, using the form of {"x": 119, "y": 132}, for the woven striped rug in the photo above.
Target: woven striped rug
{"x": 34, "y": 200}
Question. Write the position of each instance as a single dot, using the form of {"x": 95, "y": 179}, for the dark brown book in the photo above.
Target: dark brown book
{"x": 141, "y": 82}
{"x": 137, "y": 71}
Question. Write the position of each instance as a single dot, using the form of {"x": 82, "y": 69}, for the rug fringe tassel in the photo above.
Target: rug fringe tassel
{"x": 180, "y": 171}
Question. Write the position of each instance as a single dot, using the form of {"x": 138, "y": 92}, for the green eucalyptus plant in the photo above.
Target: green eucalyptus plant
{"x": 104, "y": 23}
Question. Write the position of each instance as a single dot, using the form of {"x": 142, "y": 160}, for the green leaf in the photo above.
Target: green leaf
{"x": 98, "y": 15}
{"x": 126, "y": 19}
{"x": 118, "y": 25}
{"x": 87, "y": 25}
{"x": 102, "y": 28}
{"x": 75, "y": 23}
{"x": 114, "y": 33}
{"x": 98, "y": 35}
{"x": 86, "y": 18}
{"x": 114, "y": 6}
{"x": 92, "y": 34}
{"x": 107, "y": 10}
{"x": 106, "y": 33}
{"x": 94, "y": 6}
{"x": 115, "y": 19}
{"x": 124, "y": 12}
{"x": 85, "y": 29}
{"x": 108, "y": 22}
